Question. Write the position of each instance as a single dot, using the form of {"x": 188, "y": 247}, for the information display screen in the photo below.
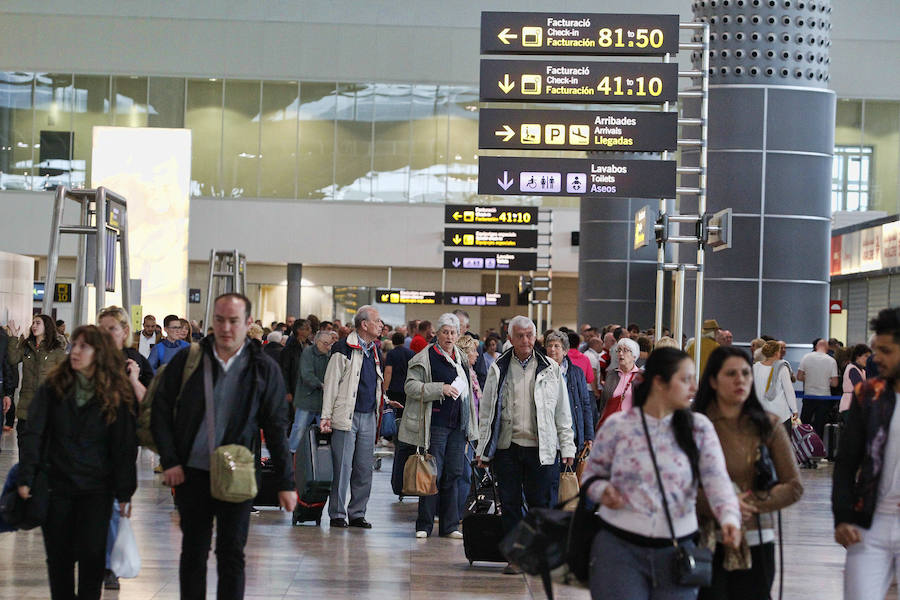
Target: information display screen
{"x": 385, "y": 296}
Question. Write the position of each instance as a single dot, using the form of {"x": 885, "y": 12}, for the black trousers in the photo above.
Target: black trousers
{"x": 815, "y": 413}
{"x": 754, "y": 583}
{"x": 197, "y": 508}
{"x": 11, "y": 413}
{"x": 75, "y": 532}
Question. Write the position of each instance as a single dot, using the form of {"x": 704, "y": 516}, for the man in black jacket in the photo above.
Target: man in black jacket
{"x": 290, "y": 356}
{"x": 248, "y": 395}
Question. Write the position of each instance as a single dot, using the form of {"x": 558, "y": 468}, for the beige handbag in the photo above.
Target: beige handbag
{"x": 420, "y": 470}
{"x": 568, "y": 488}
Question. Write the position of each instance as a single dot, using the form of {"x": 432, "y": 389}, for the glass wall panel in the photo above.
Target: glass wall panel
{"x": 166, "y": 104}
{"x": 462, "y": 154}
{"x": 393, "y": 108}
{"x": 91, "y": 109}
{"x": 353, "y": 153}
{"x": 882, "y": 134}
{"x": 240, "y": 138}
{"x": 278, "y": 143}
{"x": 318, "y": 105}
{"x": 16, "y": 127}
{"x": 54, "y": 97}
{"x": 130, "y": 101}
{"x": 428, "y": 132}
{"x": 204, "y": 118}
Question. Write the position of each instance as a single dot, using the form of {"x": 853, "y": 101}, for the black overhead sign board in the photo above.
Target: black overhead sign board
{"x": 384, "y": 296}
{"x": 462, "y": 214}
{"x": 584, "y": 82}
{"x": 578, "y": 33}
{"x": 490, "y": 238}
{"x": 491, "y": 261}
{"x": 591, "y": 130}
{"x": 591, "y": 177}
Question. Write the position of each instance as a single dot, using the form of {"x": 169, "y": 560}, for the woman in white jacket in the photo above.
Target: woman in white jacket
{"x": 772, "y": 379}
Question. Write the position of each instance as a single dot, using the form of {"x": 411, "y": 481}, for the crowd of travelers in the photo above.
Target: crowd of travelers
{"x": 671, "y": 465}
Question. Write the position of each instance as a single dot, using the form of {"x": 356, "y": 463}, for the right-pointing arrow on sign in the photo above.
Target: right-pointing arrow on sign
{"x": 506, "y": 182}
{"x": 506, "y": 133}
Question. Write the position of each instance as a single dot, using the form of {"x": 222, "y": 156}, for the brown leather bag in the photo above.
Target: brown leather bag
{"x": 581, "y": 461}
{"x": 420, "y": 470}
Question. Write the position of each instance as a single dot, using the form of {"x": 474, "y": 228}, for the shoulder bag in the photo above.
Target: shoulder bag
{"x": 693, "y": 566}
{"x": 420, "y": 470}
{"x": 232, "y": 467}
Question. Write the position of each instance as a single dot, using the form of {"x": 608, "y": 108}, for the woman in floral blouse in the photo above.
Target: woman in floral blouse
{"x": 633, "y": 555}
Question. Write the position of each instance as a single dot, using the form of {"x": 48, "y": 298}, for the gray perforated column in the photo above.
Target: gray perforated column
{"x": 771, "y": 137}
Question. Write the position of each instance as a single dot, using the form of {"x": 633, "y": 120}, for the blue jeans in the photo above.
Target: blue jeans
{"x": 519, "y": 472}
{"x": 113, "y": 530}
{"x": 302, "y": 420}
{"x": 448, "y": 447}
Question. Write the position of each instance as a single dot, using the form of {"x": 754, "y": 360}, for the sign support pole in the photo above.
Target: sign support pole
{"x": 701, "y": 202}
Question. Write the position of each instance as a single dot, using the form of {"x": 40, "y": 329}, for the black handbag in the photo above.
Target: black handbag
{"x": 583, "y": 527}
{"x": 22, "y": 513}
{"x": 693, "y": 566}
{"x": 765, "y": 476}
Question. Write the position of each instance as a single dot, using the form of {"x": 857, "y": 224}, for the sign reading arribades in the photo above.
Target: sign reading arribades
{"x": 591, "y": 177}
{"x": 579, "y": 33}
{"x": 590, "y": 130}
{"x": 583, "y": 82}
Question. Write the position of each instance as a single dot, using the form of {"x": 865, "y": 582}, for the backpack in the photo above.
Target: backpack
{"x": 144, "y": 436}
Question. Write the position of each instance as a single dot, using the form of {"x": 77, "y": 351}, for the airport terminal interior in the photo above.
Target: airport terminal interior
{"x": 669, "y": 171}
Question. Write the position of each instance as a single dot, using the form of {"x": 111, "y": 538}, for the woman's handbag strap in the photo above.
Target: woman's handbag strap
{"x": 662, "y": 490}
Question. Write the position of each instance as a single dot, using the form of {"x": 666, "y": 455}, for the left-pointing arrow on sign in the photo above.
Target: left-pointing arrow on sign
{"x": 506, "y": 181}
{"x": 457, "y": 216}
{"x": 506, "y": 133}
{"x": 506, "y": 85}
{"x": 505, "y": 36}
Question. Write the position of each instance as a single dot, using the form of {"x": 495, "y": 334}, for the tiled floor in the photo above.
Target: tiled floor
{"x": 384, "y": 562}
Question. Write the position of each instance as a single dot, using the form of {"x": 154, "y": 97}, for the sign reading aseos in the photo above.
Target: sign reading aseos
{"x": 482, "y": 215}
{"x": 584, "y": 82}
{"x": 578, "y": 33}
{"x": 591, "y": 130}
{"x": 490, "y": 238}
{"x": 511, "y": 261}
{"x": 594, "y": 177}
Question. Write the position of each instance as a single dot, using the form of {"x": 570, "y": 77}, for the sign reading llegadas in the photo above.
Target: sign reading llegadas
{"x": 578, "y": 33}
{"x": 591, "y": 130}
{"x": 578, "y": 81}
{"x": 592, "y": 177}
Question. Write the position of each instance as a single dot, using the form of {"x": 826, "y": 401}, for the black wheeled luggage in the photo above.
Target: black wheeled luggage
{"x": 312, "y": 474}
{"x": 267, "y": 494}
{"x": 482, "y": 526}
{"x": 402, "y": 451}
{"x": 832, "y": 439}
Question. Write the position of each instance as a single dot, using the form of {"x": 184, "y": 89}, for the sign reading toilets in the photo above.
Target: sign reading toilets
{"x": 151, "y": 169}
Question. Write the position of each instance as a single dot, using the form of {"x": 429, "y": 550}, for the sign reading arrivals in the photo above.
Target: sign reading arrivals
{"x": 491, "y": 261}
{"x": 460, "y": 214}
{"x": 584, "y": 82}
{"x": 591, "y": 177}
{"x": 588, "y": 130}
{"x": 383, "y": 296}
{"x": 578, "y": 33}
{"x": 490, "y": 238}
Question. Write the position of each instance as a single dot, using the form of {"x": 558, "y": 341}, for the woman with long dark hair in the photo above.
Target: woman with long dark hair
{"x": 754, "y": 446}
{"x": 81, "y": 428}
{"x": 633, "y": 554}
{"x": 39, "y": 353}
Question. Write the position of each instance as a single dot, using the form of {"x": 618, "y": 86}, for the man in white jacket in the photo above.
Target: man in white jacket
{"x": 524, "y": 424}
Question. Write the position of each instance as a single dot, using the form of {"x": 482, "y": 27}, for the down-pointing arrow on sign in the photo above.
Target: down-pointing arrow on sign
{"x": 506, "y": 181}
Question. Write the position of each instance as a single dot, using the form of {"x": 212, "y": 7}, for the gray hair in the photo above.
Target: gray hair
{"x": 275, "y": 337}
{"x": 462, "y": 315}
{"x": 322, "y": 334}
{"x": 448, "y": 320}
{"x": 630, "y": 344}
{"x": 555, "y": 335}
{"x": 522, "y": 322}
{"x": 362, "y": 315}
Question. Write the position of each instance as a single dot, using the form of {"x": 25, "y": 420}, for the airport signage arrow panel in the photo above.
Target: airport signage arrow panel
{"x": 590, "y": 130}
{"x": 457, "y": 237}
{"x": 467, "y": 214}
{"x": 386, "y": 296}
{"x": 491, "y": 261}
{"x": 583, "y": 82}
{"x": 407, "y": 297}
{"x": 590, "y": 177}
{"x": 578, "y": 33}
{"x": 469, "y": 299}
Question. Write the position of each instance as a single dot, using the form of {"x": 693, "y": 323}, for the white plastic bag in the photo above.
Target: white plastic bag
{"x": 125, "y": 560}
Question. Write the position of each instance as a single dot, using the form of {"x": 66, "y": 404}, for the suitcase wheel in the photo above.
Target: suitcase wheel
{"x": 470, "y": 563}
{"x": 318, "y": 522}
{"x": 377, "y": 464}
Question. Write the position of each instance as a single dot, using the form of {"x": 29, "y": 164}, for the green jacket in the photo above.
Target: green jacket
{"x": 36, "y": 364}
{"x": 421, "y": 391}
{"x": 313, "y": 365}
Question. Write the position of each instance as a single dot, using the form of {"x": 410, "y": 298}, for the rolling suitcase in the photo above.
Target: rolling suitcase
{"x": 481, "y": 525}
{"x": 832, "y": 439}
{"x": 402, "y": 451}
{"x": 268, "y": 485}
{"x": 312, "y": 474}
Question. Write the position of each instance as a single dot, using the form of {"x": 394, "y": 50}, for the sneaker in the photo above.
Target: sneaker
{"x": 455, "y": 535}
{"x": 254, "y": 510}
{"x": 512, "y": 569}
{"x": 421, "y": 535}
{"x": 110, "y": 581}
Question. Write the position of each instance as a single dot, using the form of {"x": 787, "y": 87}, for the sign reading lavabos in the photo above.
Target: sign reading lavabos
{"x": 583, "y": 82}
{"x": 490, "y": 238}
{"x": 590, "y": 130}
{"x": 591, "y": 177}
{"x": 578, "y": 33}
{"x": 491, "y": 261}
{"x": 493, "y": 215}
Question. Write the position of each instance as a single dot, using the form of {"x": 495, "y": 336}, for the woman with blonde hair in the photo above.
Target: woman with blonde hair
{"x": 772, "y": 380}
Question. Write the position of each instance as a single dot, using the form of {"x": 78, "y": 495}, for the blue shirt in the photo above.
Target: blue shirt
{"x": 398, "y": 359}
{"x": 164, "y": 351}
{"x": 366, "y": 393}
{"x": 446, "y": 412}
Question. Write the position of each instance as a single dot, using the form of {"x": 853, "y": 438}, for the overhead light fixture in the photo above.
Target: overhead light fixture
{"x": 212, "y": 79}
